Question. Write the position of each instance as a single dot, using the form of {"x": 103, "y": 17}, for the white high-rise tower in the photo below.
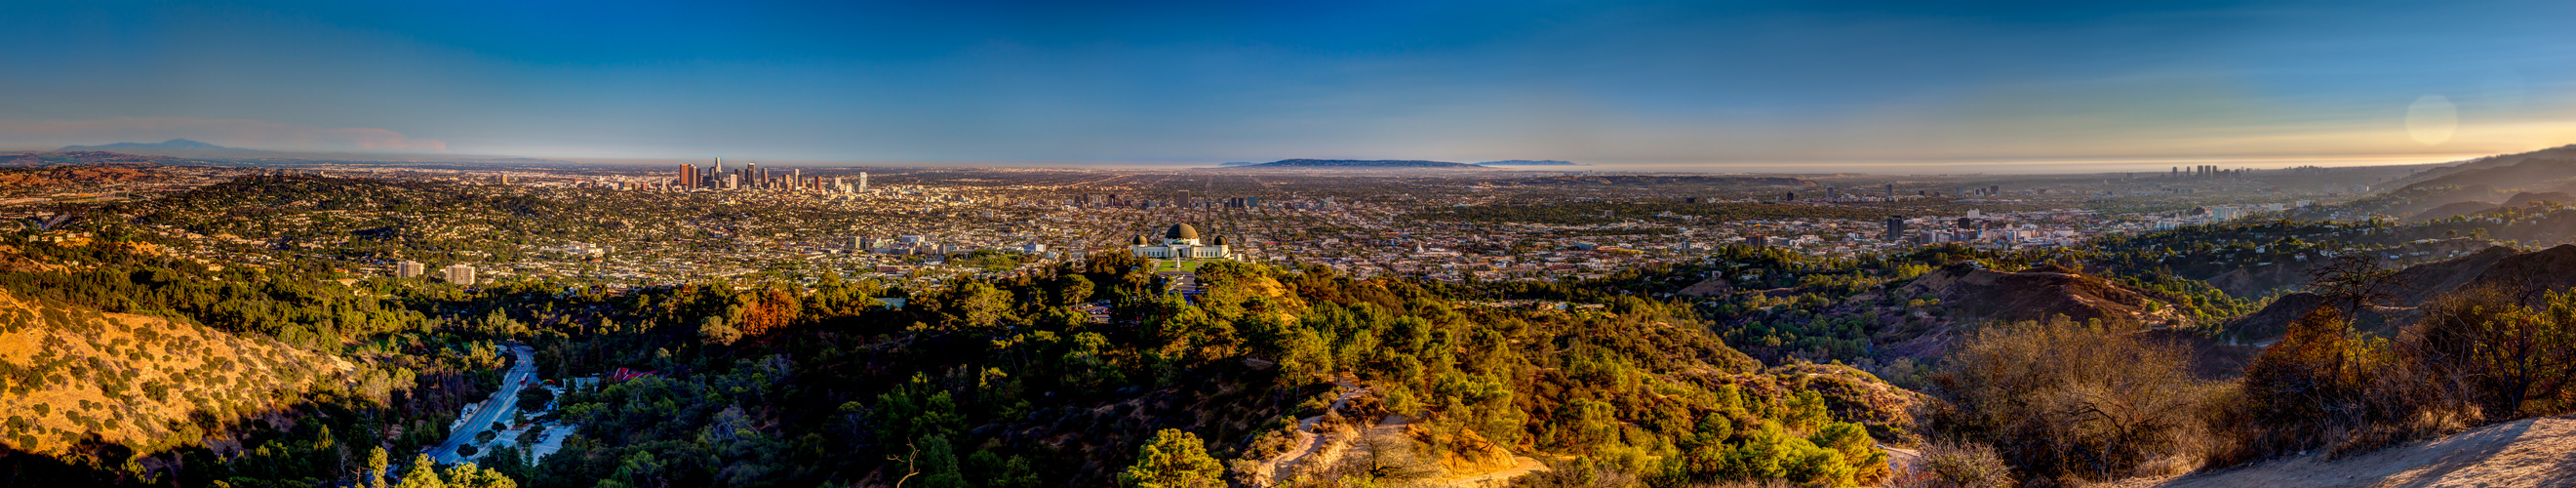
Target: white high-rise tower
{"x": 863, "y": 181}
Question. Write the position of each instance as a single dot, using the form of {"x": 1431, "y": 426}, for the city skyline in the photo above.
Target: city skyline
{"x": 1893, "y": 88}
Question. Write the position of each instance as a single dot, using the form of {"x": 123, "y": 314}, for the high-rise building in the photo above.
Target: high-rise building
{"x": 1891, "y": 191}
{"x": 408, "y": 269}
{"x": 460, "y": 274}
{"x": 1895, "y": 227}
{"x": 863, "y": 181}
{"x": 733, "y": 181}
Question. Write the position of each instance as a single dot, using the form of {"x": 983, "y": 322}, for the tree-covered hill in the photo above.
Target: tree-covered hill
{"x": 780, "y": 379}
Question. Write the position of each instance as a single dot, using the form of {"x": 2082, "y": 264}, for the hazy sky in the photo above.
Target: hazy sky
{"x": 1715, "y": 86}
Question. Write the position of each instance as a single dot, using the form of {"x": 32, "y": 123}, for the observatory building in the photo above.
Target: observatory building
{"x": 1182, "y": 242}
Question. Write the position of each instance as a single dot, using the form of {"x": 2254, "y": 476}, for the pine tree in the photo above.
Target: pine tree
{"x": 1174, "y": 459}
{"x": 376, "y": 466}
{"x": 423, "y": 474}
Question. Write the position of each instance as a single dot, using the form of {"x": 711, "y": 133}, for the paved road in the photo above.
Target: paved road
{"x": 523, "y": 370}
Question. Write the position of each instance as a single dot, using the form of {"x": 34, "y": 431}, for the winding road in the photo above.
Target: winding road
{"x": 523, "y": 370}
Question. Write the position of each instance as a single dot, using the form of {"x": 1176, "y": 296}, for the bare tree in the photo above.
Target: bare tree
{"x": 2354, "y": 280}
{"x": 909, "y": 470}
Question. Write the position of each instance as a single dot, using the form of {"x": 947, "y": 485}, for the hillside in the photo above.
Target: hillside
{"x": 2453, "y": 209}
{"x": 1975, "y": 294}
{"x": 2526, "y": 273}
{"x": 2527, "y": 199}
{"x": 90, "y": 158}
{"x": 71, "y": 175}
{"x": 2501, "y": 171}
{"x": 1526, "y": 162}
{"x": 75, "y": 375}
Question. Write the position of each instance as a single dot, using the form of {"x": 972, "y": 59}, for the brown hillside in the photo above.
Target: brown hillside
{"x": 2453, "y": 209}
{"x": 89, "y": 157}
{"x": 2527, "y": 273}
{"x": 2527, "y": 199}
{"x": 2533, "y": 272}
{"x": 2421, "y": 199}
{"x": 73, "y": 374}
{"x": 2421, "y": 282}
{"x": 1976, "y": 294}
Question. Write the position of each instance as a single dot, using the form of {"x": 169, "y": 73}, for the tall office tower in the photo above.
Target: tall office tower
{"x": 683, "y": 180}
{"x": 1895, "y": 227}
{"x": 719, "y": 166}
{"x": 733, "y": 181}
{"x": 863, "y": 181}
{"x": 408, "y": 269}
{"x": 798, "y": 179}
{"x": 461, "y": 275}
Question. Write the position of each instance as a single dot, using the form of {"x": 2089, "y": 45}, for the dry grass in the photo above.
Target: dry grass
{"x": 134, "y": 380}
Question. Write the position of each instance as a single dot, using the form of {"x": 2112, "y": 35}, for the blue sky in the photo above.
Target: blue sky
{"x": 1714, "y": 86}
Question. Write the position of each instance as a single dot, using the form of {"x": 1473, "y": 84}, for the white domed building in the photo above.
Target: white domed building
{"x": 1182, "y": 242}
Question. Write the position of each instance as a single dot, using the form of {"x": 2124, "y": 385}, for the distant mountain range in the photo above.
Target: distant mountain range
{"x": 1237, "y": 163}
{"x": 173, "y": 144}
{"x": 1359, "y": 163}
{"x": 1526, "y": 162}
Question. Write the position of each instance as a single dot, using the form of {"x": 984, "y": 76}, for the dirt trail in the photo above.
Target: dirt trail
{"x": 2529, "y": 452}
{"x": 1522, "y": 465}
{"x": 1310, "y": 446}
{"x": 1308, "y": 443}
